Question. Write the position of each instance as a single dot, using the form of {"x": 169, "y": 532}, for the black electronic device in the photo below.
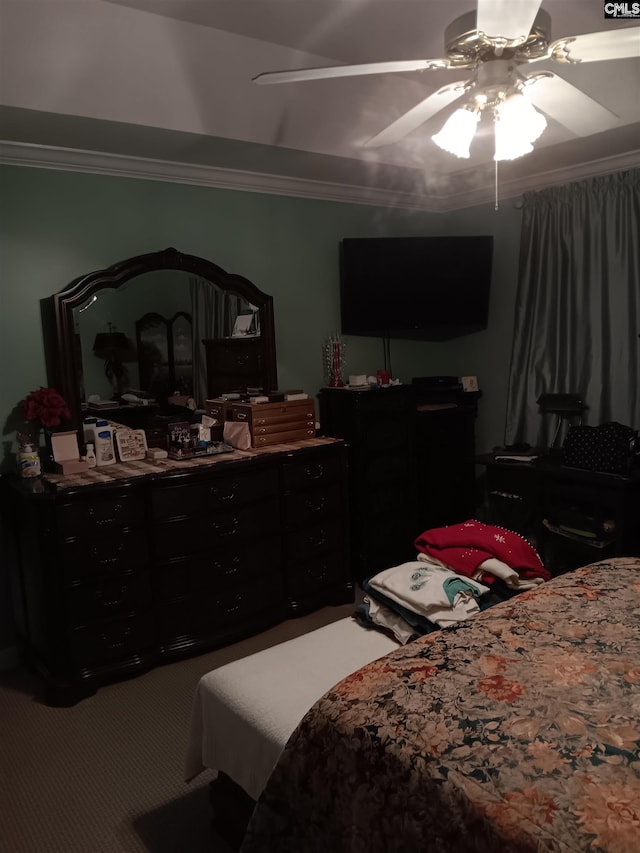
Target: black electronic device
{"x": 424, "y": 383}
{"x": 419, "y": 288}
{"x": 561, "y": 404}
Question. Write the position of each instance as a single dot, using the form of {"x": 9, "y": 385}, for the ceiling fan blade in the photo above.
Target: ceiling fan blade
{"x": 570, "y": 106}
{"x": 298, "y": 74}
{"x": 596, "y": 47}
{"x": 509, "y": 19}
{"x": 416, "y": 116}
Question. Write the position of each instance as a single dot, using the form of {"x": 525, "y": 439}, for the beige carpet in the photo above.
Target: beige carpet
{"x": 106, "y": 775}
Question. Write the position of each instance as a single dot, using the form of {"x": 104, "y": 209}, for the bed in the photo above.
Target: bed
{"x": 517, "y": 730}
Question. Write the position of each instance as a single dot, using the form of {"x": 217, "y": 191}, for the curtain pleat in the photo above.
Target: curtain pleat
{"x": 203, "y": 308}
{"x": 577, "y": 315}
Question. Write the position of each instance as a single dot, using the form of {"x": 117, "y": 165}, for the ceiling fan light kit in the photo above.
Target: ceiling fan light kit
{"x": 457, "y": 134}
{"x": 494, "y": 42}
{"x": 517, "y": 124}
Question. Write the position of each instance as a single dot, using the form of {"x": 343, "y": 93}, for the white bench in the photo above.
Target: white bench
{"x": 244, "y": 712}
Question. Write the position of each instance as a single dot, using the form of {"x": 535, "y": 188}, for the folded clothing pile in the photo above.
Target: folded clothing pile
{"x": 459, "y": 570}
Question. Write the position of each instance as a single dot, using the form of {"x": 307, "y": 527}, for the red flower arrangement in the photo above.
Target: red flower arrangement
{"x": 45, "y": 406}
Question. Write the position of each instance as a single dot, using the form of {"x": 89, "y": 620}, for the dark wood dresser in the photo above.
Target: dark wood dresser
{"x": 411, "y": 465}
{"x": 170, "y": 560}
{"x": 380, "y": 429}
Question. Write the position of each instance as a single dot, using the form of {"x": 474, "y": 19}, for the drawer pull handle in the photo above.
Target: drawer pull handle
{"x": 111, "y": 601}
{"x": 225, "y": 496}
{"x": 233, "y": 608}
{"x": 318, "y": 576}
{"x": 225, "y": 530}
{"x": 108, "y": 561}
{"x": 241, "y": 416}
{"x": 226, "y": 569}
{"x": 318, "y": 541}
{"x": 317, "y": 504}
{"x": 314, "y": 472}
{"x": 116, "y": 644}
{"x": 117, "y": 508}
{"x": 242, "y": 360}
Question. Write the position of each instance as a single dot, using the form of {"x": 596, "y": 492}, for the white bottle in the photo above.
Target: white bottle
{"x": 105, "y": 451}
{"x": 29, "y": 461}
{"x": 90, "y": 456}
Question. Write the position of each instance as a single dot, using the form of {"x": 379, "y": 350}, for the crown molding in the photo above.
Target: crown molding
{"x": 442, "y": 197}
{"x": 124, "y": 166}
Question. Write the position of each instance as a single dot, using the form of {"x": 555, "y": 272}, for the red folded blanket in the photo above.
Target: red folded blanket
{"x": 463, "y": 547}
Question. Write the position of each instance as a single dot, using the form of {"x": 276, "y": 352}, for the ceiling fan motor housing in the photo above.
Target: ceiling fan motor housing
{"x": 465, "y": 45}
{"x": 495, "y": 79}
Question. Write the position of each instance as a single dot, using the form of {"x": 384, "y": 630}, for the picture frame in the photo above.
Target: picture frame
{"x": 243, "y": 324}
{"x": 131, "y": 444}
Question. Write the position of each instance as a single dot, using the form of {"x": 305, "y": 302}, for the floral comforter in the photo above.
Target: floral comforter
{"x": 518, "y": 730}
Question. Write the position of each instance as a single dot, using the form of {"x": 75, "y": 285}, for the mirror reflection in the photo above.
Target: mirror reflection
{"x": 145, "y": 337}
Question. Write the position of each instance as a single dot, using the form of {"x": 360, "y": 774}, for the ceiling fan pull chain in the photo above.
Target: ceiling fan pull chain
{"x": 495, "y": 171}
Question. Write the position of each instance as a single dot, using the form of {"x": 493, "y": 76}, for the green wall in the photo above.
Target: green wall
{"x": 56, "y": 226}
{"x": 59, "y": 225}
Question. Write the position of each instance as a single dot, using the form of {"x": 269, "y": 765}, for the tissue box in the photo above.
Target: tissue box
{"x": 66, "y": 453}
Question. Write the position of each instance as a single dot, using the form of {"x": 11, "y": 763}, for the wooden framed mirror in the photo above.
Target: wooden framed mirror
{"x": 104, "y": 305}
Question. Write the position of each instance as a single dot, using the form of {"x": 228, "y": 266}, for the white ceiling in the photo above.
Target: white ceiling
{"x": 163, "y": 88}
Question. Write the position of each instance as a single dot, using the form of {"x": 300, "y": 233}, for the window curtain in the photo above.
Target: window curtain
{"x": 214, "y": 312}
{"x": 577, "y": 314}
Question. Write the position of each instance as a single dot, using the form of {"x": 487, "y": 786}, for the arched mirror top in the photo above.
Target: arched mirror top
{"x": 199, "y": 300}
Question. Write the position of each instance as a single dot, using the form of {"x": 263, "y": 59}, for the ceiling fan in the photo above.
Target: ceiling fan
{"x": 496, "y": 44}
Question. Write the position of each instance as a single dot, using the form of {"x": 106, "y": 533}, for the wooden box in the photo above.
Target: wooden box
{"x": 274, "y": 423}
{"x": 218, "y": 409}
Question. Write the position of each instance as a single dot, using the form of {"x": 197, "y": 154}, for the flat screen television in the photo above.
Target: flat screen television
{"x": 420, "y": 288}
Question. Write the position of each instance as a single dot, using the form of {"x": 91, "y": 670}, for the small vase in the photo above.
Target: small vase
{"x": 334, "y": 349}
{"x": 28, "y": 461}
{"x": 336, "y": 366}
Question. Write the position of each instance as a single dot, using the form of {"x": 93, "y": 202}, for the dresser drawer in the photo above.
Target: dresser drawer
{"x": 115, "y": 598}
{"x": 308, "y": 578}
{"x": 237, "y": 356}
{"x": 273, "y": 415}
{"x": 180, "y": 537}
{"x": 386, "y": 433}
{"x": 312, "y": 505}
{"x": 385, "y": 468}
{"x": 313, "y": 471}
{"x": 104, "y": 555}
{"x": 306, "y": 428}
{"x": 223, "y": 492}
{"x": 110, "y": 642}
{"x": 283, "y": 437}
{"x": 377, "y": 507}
{"x": 206, "y": 615}
{"x": 217, "y": 569}
{"x": 83, "y": 517}
{"x": 302, "y": 544}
